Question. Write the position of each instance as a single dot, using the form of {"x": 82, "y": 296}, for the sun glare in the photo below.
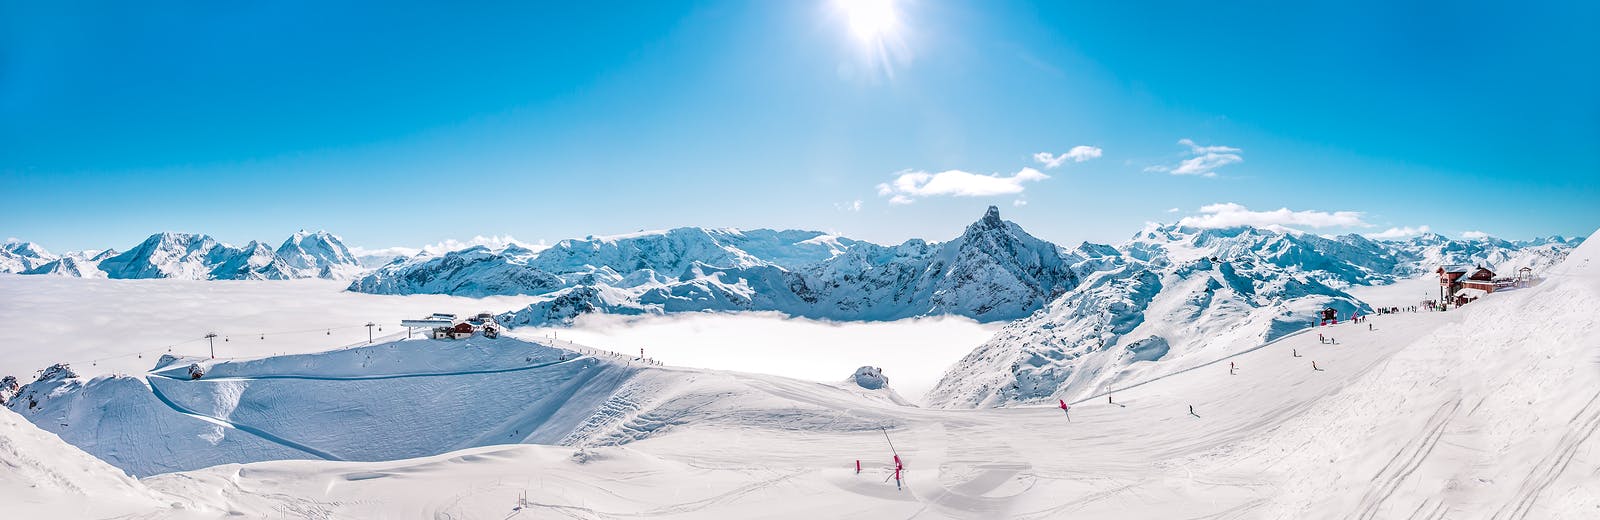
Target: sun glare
{"x": 878, "y": 30}
{"x": 870, "y": 20}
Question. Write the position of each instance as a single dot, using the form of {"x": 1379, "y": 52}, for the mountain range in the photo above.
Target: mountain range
{"x": 1080, "y": 319}
{"x": 193, "y": 257}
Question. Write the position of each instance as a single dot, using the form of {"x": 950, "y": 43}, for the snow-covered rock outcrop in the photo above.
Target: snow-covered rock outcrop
{"x": 869, "y": 382}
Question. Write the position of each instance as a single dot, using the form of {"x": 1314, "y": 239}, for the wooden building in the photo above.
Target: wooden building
{"x": 1460, "y": 284}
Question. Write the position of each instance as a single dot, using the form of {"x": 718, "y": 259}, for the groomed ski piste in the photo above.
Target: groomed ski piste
{"x": 1489, "y": 411}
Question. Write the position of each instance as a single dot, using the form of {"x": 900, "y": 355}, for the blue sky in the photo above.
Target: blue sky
{"x": 399, "y": 123}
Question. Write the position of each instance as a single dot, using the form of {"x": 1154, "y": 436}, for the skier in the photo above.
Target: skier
{"x": 1296, "y": 352}
{"x": 1320, "y": 339}
{"x": 1369, "y": 326}
{"x": 1232, "y": 370}
{"x": 1191, "y": 411}
{"x": 897, "y": 468}
{"x": 1314, "y": 366}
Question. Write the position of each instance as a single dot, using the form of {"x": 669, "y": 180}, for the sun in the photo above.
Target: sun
{"x": 870, "y": 20}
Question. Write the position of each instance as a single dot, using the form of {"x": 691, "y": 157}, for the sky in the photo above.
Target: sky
{"x": 410, "y": 123}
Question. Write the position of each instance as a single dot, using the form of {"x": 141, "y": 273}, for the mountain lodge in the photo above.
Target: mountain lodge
{"x": 1460, "y": 284}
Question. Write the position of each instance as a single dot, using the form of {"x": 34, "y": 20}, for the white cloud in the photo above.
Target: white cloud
{"x": 385, "y": 251}
{"x": 854, "y": 205}
{"x": 1474, "y": 235}
{"x": 1399, "y": 232}
{"x": 1172, "y": 210}
{"x": 1229, "y": 214}
{"x": 448, "y": 245}
{"x": 1077, "y": 154}
{"x": 1202, "y": 160}
{"x": 1019, "y": 203}
{"x": 908, "y": 184}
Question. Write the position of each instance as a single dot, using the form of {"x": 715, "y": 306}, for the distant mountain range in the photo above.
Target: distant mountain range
{"x": 193, "y": 257}
{"x": 993, "y": 271}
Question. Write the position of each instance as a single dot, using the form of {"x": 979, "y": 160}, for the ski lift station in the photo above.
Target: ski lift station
{"x": 448, "y": 326}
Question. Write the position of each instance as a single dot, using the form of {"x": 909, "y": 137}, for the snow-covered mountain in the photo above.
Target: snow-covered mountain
{"x": 197, "y": 257}
{"x": 1178, "y": 295}
{"x": 993, "y": 271}
{"x": 318, "y": 254}
{"x": 79, "y": 264}
{"x": 16, "y": 257}
{"x": 617, "y": 261}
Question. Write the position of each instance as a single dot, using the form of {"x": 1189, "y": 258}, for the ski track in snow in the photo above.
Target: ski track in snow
{"x": 368, "y": 378}
{"x": 156, "y": 390}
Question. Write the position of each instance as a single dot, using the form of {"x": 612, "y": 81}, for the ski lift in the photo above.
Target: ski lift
{"x": 330, "y": 332}
{"x": 263, "y": 336}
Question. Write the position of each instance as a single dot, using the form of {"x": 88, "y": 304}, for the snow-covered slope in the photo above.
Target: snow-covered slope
{"x": 43, "y": 477}
{"x": 382, "y": 402}
{"x": 1493, "y": 418}
{"x": 1136, "y": 322}
{"x": 1174, "y": 295}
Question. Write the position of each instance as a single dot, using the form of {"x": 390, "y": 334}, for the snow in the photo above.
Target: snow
{"x": 994, "y": 271}
{"x": 104, "y": 326}
{"x": 41, "y": 476}
{"x": 1487, "y": 411}
{"x": 914, "y": 351}
{"x": 1175, "y": 295}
